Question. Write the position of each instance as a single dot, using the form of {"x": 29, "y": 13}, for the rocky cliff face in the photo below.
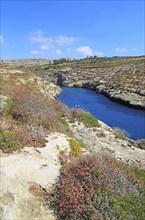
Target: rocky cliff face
{"x": 125, "y": 84}
{"x": 25, "y": 62}
{"x": 120, "y": 79}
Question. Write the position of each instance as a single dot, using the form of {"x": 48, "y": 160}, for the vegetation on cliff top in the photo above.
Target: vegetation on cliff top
{"x": 90, "y": 187}
{"x": 27, "y": 114}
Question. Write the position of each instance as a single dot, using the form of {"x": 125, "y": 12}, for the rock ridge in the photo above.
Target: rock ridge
{"x": 113, "y": 83}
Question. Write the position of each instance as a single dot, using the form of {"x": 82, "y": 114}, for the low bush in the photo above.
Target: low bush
{"x": 140, "y": 173}
{"x": 33, "y": 114}
{"x": 89, "y": 120}
{"x": 75, "y": 148}
{"x": 84, "y": 145}
{"x": 140, "y": 144}
{"x": 101, "y": 134}
{"x": 120, "y": 134}
{"x": 33, "y": 107}
{"x": 94, "y": 188}
{"x": 9, "y": 141}
{"x": 30, "y": 136}
{"x": 62, "y": 126}
{"x": 74, "y": 114}
{"x": 63, "y": 157}
{"x": 64, "y": 122}
{"x": 8, "y": 106}
{"x": 65, "y": 111}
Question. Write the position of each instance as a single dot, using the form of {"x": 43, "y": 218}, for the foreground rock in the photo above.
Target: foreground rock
{"x": 27, "y": 176}
{"x": 103, "y": 140}
{"x": 26, "y": 171}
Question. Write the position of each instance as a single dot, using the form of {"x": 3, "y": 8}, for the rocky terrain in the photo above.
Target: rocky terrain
{"x": 27, "y": 176}
{"x": 124, "y": 83}
{"x": 12, "y": 76}
{"x": 120, "y": 79}
{"x": 36, "y": 129}
{"x": 119, "y": 84}
{"x": 25, "y": 62}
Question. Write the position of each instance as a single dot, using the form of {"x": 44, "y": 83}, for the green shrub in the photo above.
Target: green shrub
{"x": 84, "y": 145}
{"x": 140, "y": 144}
{"x": 75, "y": 148}
{"x": 120, "y": 134}
{"x": 140, "y": 173}
{"x": 9, "y": 141}
{"x": 64, "y": 122}
{"x": 7, "y": 108}
{"x": 30, "y": 106}
{"x": 62, "y": 126}
{"x": 101, "y": 134}
{"x": 131, "y": 206}
{"x": 89, "y": 120}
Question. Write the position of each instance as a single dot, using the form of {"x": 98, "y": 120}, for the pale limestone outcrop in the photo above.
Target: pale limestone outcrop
{"x": 102, "y": 140}
{"x": 19, "y": 170}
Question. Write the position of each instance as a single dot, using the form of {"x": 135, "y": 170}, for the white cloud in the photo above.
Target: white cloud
{"x": 36, "y": 52}
{"x": 1, "y": 39}
{"x": 45, "y": 47}
{"x": 58, "y": 52}
{"x": 61, "y": 40}
{"x": 134, "y": 49}
{"x": 120, "y": 50}
{"x": 46, "y": 43}
{"x": 85, "y": 51}
{"x": 98, "y": 53}
{"x": 38, "y": 37}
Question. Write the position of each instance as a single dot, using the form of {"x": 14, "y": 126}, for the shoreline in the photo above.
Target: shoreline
{"x": 114, "y": 99}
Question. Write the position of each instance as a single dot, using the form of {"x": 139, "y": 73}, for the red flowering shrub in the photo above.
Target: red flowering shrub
{"x": 33, "y": 114}
{"x": 94, "y": 188}
{"x": 32, "y": 106}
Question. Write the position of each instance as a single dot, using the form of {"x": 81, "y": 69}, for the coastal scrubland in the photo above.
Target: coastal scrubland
{"x": 121, "y": 79}
{"x": 66, "y": 163}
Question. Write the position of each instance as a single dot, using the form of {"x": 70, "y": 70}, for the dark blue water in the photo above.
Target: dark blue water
{"x": 112, "y": 113}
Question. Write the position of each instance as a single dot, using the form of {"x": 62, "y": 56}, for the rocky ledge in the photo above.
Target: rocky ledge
{"x": 27, "y": 176}
{"x": 124, "y": 84}
{"x": 121, "y": 79}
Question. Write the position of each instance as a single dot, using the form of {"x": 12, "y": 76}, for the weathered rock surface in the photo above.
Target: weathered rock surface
{"x": 25, "y": 62}
{"x": 11, "y": 76}
{"x": 123, "y": 82}
{"x": 18, "y": 173}
{"x": 28, "y": 175}
{"x": 115, "y": 82}
{"x": 103, "y": 140}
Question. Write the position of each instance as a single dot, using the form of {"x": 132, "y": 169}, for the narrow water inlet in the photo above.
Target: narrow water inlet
{"x": 113, "y": 114}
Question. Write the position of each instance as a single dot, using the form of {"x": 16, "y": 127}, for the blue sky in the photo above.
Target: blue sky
{"x": 76, "y": 29}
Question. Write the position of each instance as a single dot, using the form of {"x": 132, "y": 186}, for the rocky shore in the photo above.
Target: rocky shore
{"x": 122, "y": 81}
{"x": 122, "y": 84}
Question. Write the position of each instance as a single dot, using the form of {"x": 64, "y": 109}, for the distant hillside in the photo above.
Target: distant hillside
{"x": 121, "y": 79}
